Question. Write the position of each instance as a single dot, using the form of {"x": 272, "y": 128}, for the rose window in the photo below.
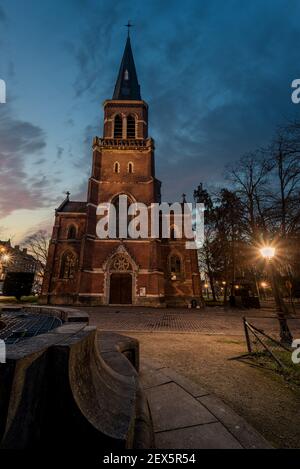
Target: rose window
{"x": 121, "y": 263}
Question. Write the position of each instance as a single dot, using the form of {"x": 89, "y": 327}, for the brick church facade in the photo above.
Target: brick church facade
{"x": 83, "y": 269}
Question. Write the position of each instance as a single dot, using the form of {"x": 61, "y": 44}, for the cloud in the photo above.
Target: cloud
{"x": 81, "y": 192}
{"x": 44, "y": 225}
{"x": 218, "y": 89}
{"x": 92, "y": 50}
{"x": 40, "y": 161}
{"x": 59, "y": 153}
{"x": 216, "y": 76}
{"x": 20, "y": 140}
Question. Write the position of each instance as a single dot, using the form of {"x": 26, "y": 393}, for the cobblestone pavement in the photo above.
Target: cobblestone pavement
{"x": 209, "y": 321}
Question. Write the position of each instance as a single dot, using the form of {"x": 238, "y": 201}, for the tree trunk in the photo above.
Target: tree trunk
{"x": 281, "y": 308}
{"x": 212, "y": 285}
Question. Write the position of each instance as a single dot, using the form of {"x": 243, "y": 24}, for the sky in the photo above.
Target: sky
{"x": 216, "y": 74}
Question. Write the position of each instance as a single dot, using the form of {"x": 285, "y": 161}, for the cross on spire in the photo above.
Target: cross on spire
{"x": 128, "y": 25}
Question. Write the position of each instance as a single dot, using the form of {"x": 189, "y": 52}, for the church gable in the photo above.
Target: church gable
{"x": 120, "y": 260}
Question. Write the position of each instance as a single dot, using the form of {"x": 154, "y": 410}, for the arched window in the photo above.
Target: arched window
{"x": 130, "y": 127}
{"x": 121, "y": 216}
{"x": 130, "y": 167}
{"x": 116, "y": 167}
{"x": 67, "y": 266}
{"x": 172, "y": 233}
{"x": 71, "y": 232}
{"x": 118, "y": 127}
{"x": 175, "y": 265}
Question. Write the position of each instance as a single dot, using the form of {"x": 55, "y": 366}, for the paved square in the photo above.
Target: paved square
{"x": 212, "y": 321}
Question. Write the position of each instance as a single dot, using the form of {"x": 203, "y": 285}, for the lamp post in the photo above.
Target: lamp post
{"x": 2, "y": 260}
{"x": 5, "y": 258}
{"x": 268, "y": 253}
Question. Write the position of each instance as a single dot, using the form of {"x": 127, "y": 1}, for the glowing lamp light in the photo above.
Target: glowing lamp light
{"x": 268, "y": 252}
{"x": 5, "y": 257}
{"x": 206, "y": 285}
{"x": 264, "y": 284}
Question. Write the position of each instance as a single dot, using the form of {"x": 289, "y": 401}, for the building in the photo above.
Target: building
{"x": 14, "y": 259}
{"x": 83, "y": 269}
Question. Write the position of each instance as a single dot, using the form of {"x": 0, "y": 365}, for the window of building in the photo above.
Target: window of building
{"x": 126, "y": 75}
{"x": 72, "y": 232}
{"x": 116, "y": 167}
{"x": 67, "y": 267}
{"x": 118, "y": 127}
{"x": 130, "y": 127}
{"x": 130, "y": 167}
{"x": 175, "y": 265}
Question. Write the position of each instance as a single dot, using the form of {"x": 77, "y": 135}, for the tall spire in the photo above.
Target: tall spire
{"x": 127, "y": 85}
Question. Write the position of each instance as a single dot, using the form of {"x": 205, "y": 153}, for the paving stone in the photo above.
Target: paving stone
{"x": 149, "y": 379}
{"x": 151, "y": 364}
{"x": 192, "y": 388}
{"x": 209, "y": 436}
{"x": 172, "y": 407}
{"x": 246, "y": 435}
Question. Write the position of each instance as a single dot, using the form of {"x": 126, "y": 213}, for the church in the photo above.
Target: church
{"x": 85, "y": 270}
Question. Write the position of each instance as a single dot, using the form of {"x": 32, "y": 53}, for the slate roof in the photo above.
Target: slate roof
{"x": 72, "y": 207}
{"x": 127, "y": 86}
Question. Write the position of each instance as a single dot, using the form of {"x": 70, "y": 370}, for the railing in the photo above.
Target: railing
{"x": 123, "y": 143}
{"x": 262, "y": 348}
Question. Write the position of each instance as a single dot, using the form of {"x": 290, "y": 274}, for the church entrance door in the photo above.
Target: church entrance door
{"x": 120, "y": 289}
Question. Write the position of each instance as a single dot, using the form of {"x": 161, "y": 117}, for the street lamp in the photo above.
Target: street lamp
{"x": 5, "y": 258}
{"x": 268, "y": 253}
{"x": 4, "y": 262}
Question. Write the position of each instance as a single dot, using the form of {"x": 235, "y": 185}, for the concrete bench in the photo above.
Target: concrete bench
{"x": 73, "y": 387}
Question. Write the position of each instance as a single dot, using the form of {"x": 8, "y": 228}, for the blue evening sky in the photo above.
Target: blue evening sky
{"x": 216, "y": 73}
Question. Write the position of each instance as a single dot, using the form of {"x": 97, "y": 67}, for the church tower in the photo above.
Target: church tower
{"x": 83, "y": 269}
{"x": 123, "y": 159}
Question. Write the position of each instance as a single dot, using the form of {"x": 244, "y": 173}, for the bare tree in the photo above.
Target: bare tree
{"x": 285, "y": 160}
{"x": 249, "y": 177}
{"x": 37, "y": 245}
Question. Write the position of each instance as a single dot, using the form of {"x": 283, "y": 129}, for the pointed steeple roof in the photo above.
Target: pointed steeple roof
{"x": 127, "y": 85}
